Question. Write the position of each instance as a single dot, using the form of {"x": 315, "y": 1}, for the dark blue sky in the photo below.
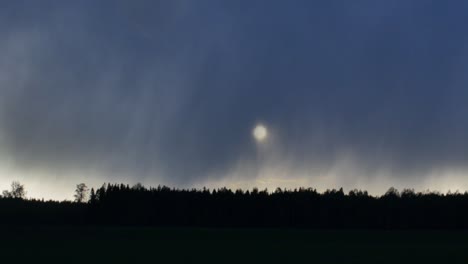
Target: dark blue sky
{"x": 366, "y": 94}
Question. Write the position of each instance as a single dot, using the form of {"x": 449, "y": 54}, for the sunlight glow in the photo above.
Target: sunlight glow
{"x": 260, "y": 133}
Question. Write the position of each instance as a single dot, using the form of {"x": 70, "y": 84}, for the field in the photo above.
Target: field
{"x": 179, "y": 245}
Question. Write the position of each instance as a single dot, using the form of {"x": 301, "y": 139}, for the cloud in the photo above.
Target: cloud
{"x": 169, "y": 92}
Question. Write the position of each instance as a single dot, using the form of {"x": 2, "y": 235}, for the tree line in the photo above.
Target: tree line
{"x": 120, "y": 204}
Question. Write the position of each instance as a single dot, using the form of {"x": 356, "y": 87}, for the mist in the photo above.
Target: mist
{"x": 366, "y": 95}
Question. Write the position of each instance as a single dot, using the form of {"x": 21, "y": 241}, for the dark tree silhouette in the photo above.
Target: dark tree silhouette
{"x": 119, "y": 204}
{"x": 81, "y": 193}
{"x": 17, "y": 191}
{"x": 92, "y": 197}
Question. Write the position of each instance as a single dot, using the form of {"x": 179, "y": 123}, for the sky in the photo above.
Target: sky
{"x": 353, "y": 94}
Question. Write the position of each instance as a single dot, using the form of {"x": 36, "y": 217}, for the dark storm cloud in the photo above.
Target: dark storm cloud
{"x": 172, "y": 89}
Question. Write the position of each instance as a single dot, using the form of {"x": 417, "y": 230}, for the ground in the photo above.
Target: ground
{"x": 188, "y": 245}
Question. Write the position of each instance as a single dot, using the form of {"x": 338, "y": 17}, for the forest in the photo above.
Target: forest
{"x": 124, "y": 205}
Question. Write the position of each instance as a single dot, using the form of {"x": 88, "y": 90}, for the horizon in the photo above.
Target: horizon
{"x": 346, "y": 192}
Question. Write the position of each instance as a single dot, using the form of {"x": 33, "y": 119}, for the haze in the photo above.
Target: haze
{"x": 354, "y": 94}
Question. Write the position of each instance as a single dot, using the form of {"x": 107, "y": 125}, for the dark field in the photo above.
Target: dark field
{"x": 157, "y": 245}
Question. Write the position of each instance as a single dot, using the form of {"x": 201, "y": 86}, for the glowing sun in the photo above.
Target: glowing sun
{"x": 260, "y": 133}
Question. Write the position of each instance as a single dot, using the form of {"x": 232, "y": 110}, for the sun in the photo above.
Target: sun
{"x": 260, "y": 133}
